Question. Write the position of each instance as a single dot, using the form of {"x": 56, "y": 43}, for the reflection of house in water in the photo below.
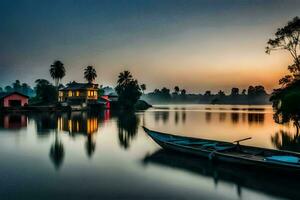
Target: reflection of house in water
{"x": 13, "y": 121}
{"x": 78, "y": 122}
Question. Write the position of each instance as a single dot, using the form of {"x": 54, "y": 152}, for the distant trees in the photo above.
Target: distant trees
{"x": 183, "y": 92}
{"x": 234, "y": 91}
{"x": 90, "y": 74}
{"x": 176, "y": 90}
{"x": 256, "y": 90}
{"x": 57, "y": 71}
{"x": 22, "y": 88}
{"x": 207, "y": 93}
{"x": 128, "y": 90}
{"x": 257, "y": 95}
{"x": 143, "y": 87}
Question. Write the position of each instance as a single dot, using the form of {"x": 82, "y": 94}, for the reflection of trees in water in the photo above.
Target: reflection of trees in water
{"x": 127, "y": 128}
{"x": 183, "y": 116}
{"x": 256, "y": 118}
{"x": 90, "y": 145}
{"x": 222, "y": 116}
{"x": 45, "y": 122}
{"x": 208, "y": 117}
{"x": 284, "y": 140}
{"x": 235, "y": 117}
{"x": 176, "y": 117}
{"x": 244, "y": 117}
{"x": 57, "y": 152}
{"x": 161, "y": 115}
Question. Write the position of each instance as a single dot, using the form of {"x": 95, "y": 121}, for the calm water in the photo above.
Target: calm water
{"x": 108, "y": 155}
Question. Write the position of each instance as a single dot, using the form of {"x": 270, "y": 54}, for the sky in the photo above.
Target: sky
{"x": 197, "y": 45}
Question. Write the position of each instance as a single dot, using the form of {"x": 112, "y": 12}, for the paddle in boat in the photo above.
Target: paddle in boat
{"x": 234, "y": 152}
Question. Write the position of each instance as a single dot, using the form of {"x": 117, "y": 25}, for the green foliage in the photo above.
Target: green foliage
{"x": 90, "y": 74}
{"x": 22, "y": 88}
{"x": 45, "y": 92}
{"x": 128, "y": 90}
{"x": 286, "y": 99}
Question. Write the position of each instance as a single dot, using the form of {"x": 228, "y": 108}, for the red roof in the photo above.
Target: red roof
{"x": 11, "y": 93}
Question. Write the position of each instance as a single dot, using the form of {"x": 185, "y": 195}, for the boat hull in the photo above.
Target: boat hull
{"x": 229, "y": 158}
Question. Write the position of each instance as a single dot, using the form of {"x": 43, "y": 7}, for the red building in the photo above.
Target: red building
{"x": 13, "y": 99}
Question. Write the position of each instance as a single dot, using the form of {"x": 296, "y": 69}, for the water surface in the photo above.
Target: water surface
{"x": 107, "y": 155}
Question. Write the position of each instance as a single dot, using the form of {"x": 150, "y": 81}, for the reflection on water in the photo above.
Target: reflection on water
{"x": 97, "y": 146}
{"x": 13, "y": 121}
{"x": 127, "y": 128}
{"x": 285, "y": 141}
{"x": 221, "y": 173}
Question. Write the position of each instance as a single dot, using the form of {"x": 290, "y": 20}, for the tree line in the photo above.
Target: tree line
{"x": 253, "y": 95}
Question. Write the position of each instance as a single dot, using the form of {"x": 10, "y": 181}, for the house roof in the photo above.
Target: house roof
{"x": 80, "y": 86}
{"x": 6, "y": 94}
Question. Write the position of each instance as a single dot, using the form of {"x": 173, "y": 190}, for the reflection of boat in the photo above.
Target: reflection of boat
{"x": 268, "y": 183}
{"x": 254, "y": 157}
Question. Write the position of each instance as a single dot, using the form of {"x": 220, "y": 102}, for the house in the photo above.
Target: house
{"x": 78, "y": 94}
{"x": 13, "y": 100}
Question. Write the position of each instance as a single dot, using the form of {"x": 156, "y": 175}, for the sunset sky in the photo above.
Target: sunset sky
{"x": 197, "y": 45}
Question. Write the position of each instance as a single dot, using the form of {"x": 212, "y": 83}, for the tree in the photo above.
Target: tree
{"x": 124, "y": 77}
{"x": 251, "y": 91}
{"x": 286, "y": 99}
{"x": 221, "y": 93}
{"x": 176, "y": 89}
{"x": 1, "y": 90}
{"x": 128, "y": 90}
{"x": 17, "y": 86}
{"x": 244, "y": 92}
{"x": 8, "y": 88}
{"x": 143, "y": 87}
{"x": 234, "y": 91}
{"x": 287, "y": 38}
{"x": 45, "y": 91}
{"x": 25, "y": 88}
{"x": 207, "y": 93}
{"x": 183, "y": 92}
{"x": 90, "y": 74}
{"x": 57, "y": 71}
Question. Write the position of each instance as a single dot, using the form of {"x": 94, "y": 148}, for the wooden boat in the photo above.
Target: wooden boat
{"x": 262, "y": 158}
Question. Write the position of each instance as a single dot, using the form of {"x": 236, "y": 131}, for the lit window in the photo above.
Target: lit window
{"x": 60, "y": 93}
{"x": 70, "y": 93}
{"x": 77, "y": 93}
{"x": 89, "y": 93}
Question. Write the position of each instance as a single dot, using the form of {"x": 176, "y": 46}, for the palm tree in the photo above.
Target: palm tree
{"x": 90, "y": 74}
{"x": 57, "y": 71}
{"x": 124, "y": 77}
